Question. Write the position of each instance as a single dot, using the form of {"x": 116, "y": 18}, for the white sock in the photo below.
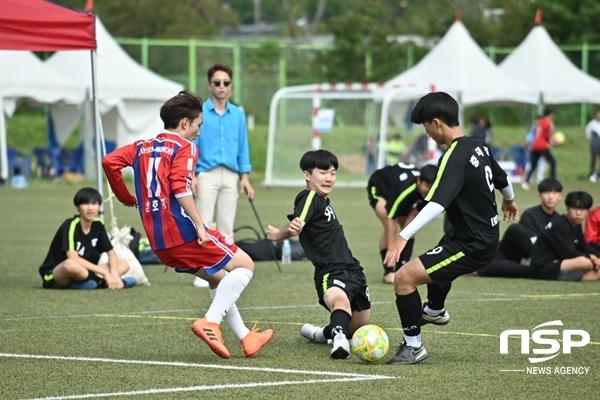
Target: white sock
{"x": 227, "y": 293}
{"x": 413, "y": 341}
{"x": 233, "y": 319}
{"x": 431, "y": 312}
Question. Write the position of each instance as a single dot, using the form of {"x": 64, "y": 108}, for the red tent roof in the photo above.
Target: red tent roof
{"x": 39, "y": 25}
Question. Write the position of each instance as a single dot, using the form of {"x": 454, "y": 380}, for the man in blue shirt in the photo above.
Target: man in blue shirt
{"x": 224, "y": 160}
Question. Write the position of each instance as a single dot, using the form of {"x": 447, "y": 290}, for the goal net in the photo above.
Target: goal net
{"x": 345, "y": 119}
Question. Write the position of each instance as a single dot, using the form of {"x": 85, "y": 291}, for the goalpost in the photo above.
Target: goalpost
{"x": 352, "y": 120}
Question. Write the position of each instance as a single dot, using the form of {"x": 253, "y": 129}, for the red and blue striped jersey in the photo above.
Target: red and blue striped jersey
{"x": 163, "y": 171}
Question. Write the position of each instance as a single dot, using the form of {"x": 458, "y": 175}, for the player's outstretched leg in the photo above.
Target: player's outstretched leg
{"x": 313, "y": 333}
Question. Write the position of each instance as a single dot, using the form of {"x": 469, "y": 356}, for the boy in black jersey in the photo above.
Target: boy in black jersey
{"x": 514, "y": 251}
{"x": 394, "y": 192}
{"x": 339, "y": 279}
{"x": 74, "y": 253}
{"x": 464, "y": 188}
{"x": 561, "y": 252}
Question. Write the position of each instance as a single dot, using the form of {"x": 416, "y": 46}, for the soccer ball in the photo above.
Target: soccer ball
{"x": 370, "y": 343}
{"x": 558, "y": 138}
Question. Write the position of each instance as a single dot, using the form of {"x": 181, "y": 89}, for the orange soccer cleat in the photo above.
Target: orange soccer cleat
{"x": 255, "y": 340}
{"x": 210, "y": 332}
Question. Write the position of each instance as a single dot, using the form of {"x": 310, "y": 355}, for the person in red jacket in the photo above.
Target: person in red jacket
{"x": 592, "y": 228}
{"x": 540, "y": 147}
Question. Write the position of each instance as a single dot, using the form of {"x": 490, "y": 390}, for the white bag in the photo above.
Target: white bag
{"x": 120, "y": 241}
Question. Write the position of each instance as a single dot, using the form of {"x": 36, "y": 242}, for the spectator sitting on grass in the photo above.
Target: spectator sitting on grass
{"x": 561, "y": 252}
{"x": 514, "y": 251}
{"x": 72, "y": 260}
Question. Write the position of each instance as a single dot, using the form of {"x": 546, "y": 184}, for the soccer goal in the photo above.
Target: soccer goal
{"x": 352, "y": 120}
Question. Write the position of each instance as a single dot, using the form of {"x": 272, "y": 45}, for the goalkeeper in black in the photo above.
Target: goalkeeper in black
{"x": 464, "y": 188}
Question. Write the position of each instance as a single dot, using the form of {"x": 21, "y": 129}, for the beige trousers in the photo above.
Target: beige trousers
{"x": 218, "y": 190}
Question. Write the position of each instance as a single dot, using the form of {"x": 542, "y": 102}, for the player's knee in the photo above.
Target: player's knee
{"x": 404, "y": 280}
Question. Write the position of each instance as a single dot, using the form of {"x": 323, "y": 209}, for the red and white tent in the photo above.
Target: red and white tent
{"x": 39, "y": 25}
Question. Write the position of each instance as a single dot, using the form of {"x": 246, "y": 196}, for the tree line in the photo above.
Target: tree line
{"x": 356, "y": 25}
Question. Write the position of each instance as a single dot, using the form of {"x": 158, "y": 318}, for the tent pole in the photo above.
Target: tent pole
{"x": 97, "y": 130}
{"x": 3, "y": 143}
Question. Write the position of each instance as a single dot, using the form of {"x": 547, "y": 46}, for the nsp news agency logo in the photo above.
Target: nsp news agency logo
{"x": 547, "y": 345}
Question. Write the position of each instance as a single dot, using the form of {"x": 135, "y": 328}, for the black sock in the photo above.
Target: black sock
{"x": 338, "y": 320}
{"x": 436, "y": 295}
{"x": 409, "y": 309}
{"x": 406, "y": 253}
{"x": 386, "y": 269}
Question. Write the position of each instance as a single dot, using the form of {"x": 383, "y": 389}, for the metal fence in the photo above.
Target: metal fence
{"x": 262, "y": 68}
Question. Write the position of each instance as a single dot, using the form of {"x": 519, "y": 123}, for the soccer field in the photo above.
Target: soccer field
{"x": 137, "y": 343}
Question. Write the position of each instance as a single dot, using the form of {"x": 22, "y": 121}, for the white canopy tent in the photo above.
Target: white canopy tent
{"x": 129, "y": 95}
{"x": 538, "y": 62}
{"x": 458, "y": 66}
{"x": 24, "y": 77}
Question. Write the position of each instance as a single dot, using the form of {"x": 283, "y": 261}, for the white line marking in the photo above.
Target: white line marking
{"x": 342, "y": 376}
{"x": 191, "y": 310}
{"x": 185, "y": 364}
{"x": 202, "y": 388}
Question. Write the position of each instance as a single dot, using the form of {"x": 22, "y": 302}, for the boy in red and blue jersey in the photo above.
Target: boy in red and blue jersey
{"x": 163, "y": 174}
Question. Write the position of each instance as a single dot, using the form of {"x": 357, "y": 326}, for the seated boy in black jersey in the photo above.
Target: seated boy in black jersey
{"x": 339, "y": 279}
{"x": 561, "y": 252}
{"x": 514, "y": 251}
{"x": 74, "y": 253}
{"x": 394, "y": 192}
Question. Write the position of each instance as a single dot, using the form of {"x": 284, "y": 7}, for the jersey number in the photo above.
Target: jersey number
{"x": 488, "y": 177}
{"x": 152, "y": 176}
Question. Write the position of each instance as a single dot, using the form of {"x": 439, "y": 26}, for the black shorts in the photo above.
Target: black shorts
{"x": 352, "y": 282}
{"x": 374, "y": 194}
{"x": 448, "y": 261}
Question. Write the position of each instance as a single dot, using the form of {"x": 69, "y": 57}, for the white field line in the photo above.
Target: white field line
{"x": 340, "y": 376}
{"x": 299, "y": 306}
{"x": 202, "y": 388}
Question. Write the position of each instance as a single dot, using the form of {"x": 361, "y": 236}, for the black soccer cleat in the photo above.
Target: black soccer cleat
{"x": 408, "y": 355}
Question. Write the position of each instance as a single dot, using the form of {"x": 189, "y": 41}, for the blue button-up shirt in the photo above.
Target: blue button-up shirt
{"x": 223, "y": 139}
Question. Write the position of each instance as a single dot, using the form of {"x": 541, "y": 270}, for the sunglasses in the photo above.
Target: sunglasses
{"x": 218, "y": 83}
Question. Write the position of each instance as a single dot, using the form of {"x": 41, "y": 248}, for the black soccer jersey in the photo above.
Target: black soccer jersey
{"x": 70, "y": 237}
{"x": 559, "y": 241}
{"x": 535, "y": 220}
{"x": 322, "y": 237}
{"x": 464, "y": 186}
{"x": 397, "y": 184}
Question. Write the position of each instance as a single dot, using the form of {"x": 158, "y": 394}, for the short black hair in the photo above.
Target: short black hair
{"x": 550, "y": 185}
{"x": 87, "y": 195}
{"x": 579, "y": 199}
{"x": 320, "y": 159}
{"x": 428, "y": 173}
{"x": 436, "y": 105}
